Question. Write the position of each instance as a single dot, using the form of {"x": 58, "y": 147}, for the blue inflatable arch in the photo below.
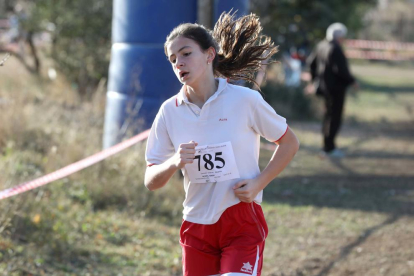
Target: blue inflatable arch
{"x": 140, "y": 77}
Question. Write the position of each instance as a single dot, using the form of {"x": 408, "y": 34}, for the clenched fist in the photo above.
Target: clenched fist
{"x": 185, "y": 154}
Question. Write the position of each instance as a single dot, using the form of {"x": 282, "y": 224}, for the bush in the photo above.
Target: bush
{"x": 81, "y": 38}
{"x": 291, "y": 102}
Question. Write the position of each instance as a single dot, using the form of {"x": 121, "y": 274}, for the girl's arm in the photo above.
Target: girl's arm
{"x": 247, "y": 189}
{"x": 156, "y": 176}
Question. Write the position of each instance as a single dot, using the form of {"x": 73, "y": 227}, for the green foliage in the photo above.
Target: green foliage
{"x": 81, "y": 38}
{"x": 291, "y": 102}
{"x": 303, "y": 22}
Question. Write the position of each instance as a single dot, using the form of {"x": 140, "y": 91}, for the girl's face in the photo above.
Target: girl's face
{"x": 189, "y": 62}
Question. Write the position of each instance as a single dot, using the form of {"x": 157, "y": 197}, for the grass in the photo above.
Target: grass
{"x": 326, "y": 217}
{"x": 352, "y": 216}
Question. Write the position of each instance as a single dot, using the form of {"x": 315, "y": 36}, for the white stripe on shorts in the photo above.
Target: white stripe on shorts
{"x": 256, "y": 265}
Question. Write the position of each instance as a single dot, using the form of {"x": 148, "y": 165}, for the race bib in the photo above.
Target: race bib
{"x": 213, "y": 163}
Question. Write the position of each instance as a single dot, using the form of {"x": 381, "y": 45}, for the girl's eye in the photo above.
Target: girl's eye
{"x": 187, "y": 54}
{"x": 173, "y": 61}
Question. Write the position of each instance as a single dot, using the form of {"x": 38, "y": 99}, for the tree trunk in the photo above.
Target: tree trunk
{"x": 205, "y": 13}
{"x": 34, "y": 51}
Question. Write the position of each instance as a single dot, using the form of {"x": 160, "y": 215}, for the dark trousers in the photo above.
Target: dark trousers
{"x": 334, "y": 104}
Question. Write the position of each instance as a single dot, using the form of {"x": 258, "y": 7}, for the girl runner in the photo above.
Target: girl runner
{"x": 211, "y": 131}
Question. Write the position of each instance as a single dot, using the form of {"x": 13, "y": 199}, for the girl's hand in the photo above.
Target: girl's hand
{"x": 246, "y": 190}
{"x": 185, "y": 154}
{"x": 310, "y": 89}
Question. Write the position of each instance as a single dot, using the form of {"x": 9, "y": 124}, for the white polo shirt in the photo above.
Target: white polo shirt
{"x": 233, "y": 114}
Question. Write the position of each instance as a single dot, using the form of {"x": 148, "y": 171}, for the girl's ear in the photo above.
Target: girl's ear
{"x": 211, "y": 54}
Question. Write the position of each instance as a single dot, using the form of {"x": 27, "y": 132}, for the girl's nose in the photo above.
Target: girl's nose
{"x": 179, "y": 64}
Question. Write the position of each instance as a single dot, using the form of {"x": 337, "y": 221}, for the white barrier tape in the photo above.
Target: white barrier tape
{"x": 379, "y": 55}
{"x": 379, "y": 45}
{"x": 4, "y": 59}
{"x": 72, "y": 168}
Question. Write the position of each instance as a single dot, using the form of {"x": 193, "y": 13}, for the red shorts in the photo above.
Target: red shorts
{"x": 234, "y": 244}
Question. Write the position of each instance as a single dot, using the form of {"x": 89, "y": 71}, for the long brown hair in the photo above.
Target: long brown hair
{"x": 240, "y": 47}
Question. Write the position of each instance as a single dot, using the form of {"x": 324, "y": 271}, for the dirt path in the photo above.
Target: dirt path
{"x": 350, "y": 216}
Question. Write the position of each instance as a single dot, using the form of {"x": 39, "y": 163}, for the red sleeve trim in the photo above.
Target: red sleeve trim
{"x": 176, "y": 101}
{"x": 150, "y": 165}
{"x": 282, "y": 135}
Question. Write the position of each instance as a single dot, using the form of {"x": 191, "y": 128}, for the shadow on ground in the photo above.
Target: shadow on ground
{"x": 371, "y": 193}
{"x": 368, "y": 86}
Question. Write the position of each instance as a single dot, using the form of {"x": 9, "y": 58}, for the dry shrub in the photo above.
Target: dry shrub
{"x": 119, "y": 183}
{"x": 12, "y": 123}
{"x": 45, "y": 127}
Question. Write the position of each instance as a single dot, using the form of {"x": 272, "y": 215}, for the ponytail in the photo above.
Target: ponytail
{"x": 239, "y": 44}
{"x": 242, "y": 47}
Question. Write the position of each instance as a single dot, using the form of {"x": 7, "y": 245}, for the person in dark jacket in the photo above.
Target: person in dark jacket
{"x": 330, "y": 79}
